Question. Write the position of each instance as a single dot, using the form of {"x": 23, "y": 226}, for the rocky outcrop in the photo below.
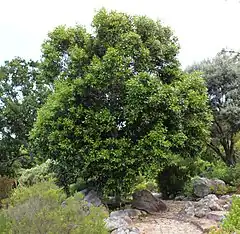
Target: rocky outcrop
{"x": 144, "y": 200}
{"x": 203, "y": 186}
{"x": 209, "y": 206}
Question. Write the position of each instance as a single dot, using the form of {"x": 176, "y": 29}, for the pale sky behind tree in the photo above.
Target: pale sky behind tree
{"x": 203, "y": 27}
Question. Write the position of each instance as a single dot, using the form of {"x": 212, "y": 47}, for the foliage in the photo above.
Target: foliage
{"x": 121, "y": 106}
{"x": 145, "y": 183}
{"x": 223, "y": 81}
{"x": 21, "y": 92}
{"x": 6, "y": 185}
{"x": 231, "y": 224}
{"x": 219, "y": 170}
{"x": 172, "y": 179}
{"x": 79, "y": 185}
{"x": 40, "y": 209}
{"x": 36, "y": 174}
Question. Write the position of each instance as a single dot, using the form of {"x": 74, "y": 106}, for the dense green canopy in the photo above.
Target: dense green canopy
{"x": 222, "y": 75}
{"x": 121, "y": 105}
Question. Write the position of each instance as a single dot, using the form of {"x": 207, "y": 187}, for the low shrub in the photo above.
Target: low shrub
{"x": 231, "y": 224}
{"x": 6, "y": 185}
{"x": 219, "y": 170}
{"x": 171, "y": 180}
{"x": 36, "y": 174}
{"x": 145, "y": 183}
{"x": 78, "y": 186}
{"x": 44, "y": 208}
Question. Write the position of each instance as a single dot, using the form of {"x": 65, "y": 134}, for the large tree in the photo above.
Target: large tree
{"x": 121, "y": 105}
{"x": 222, "y": 75}
{"x": 21, "y": 93}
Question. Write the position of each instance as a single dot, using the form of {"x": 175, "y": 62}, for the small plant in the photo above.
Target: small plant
{"x": 44, "y": 208}
{"x": 231, "y": 224}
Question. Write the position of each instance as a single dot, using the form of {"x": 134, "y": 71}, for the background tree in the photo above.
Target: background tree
{"x": 121, "y": 105}
{"x": 21, "y": 93}
{"x": 222, "y": 75}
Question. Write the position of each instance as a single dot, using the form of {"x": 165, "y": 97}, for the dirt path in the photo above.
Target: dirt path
{"x": 166, "y": 226}
{"x": 170, "y": 222}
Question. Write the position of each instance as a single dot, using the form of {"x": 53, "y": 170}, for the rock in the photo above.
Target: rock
{"x": 216, "y": 215}
{"x": 203, "y": 207}
{"x": 225, "y": 197}
{"x": 189, "y": 209}
{"x": 200, "y": 212}
{"x": 133, "y": 213}
{"x": 132, "y": 230}
{"x": 118, "y": 213}
{"x": 203, "y": 186}
{"x": 180, "y": 198}
{"x": 113, "y": 223}
{"x": 144, "y": 200}
{"x": 91, "y": 197}
{"x": 227, "y": 206}
{"x": 157, "y": 195}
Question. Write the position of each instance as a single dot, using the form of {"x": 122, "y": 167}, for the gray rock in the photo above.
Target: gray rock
{"x": 216, "y": 215}
{"x": 133, "y": 213}
{"x": 118, "y": 213}
{"x": 144, "y": 200}
{"x": 227, "y": 206}
{"x": 189, "y": 209}
{"x": 179, "y": 198}
{"x": 203, "y": 207}
{"x": 92, "y": 198}
{"x": 113, "y": 223}
{"x": 132, "y": 230}
{"x": 201, "y": 212}
{"x": 203, "y": 186}
{"x": 225, "y": 197}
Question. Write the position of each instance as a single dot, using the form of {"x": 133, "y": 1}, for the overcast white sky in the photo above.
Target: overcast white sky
{"x": 203, "y": 27}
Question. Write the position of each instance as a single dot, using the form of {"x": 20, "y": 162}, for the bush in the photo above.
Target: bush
{"x": 36, "y": 174}
{"x": 144, "y": 183}
{"x": 172, "y": 180}
{"x": 231, "y": 224}
{"x": 6, "y": 185}
{"x": 230, "y": 175}
{"x": 219, "y": 170}
{"x": 44, "y": 208}
{"x": 78, "y": 186}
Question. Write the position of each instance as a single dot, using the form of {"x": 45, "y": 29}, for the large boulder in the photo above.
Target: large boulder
{"x": 144, "y": 200}
{"x": 204, "y": 186}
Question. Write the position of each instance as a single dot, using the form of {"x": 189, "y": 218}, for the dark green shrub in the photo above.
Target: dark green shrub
{"x": 78, "y": 186}
{"x": 172, "y": 179}
{"x": 44, "y": 208}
